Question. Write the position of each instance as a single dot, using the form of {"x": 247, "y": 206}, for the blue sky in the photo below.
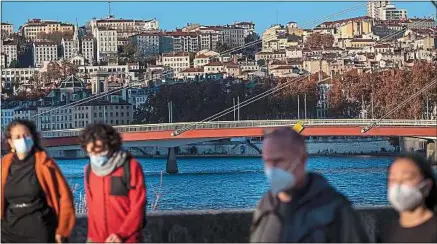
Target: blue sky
{"x": 176, "y": 14}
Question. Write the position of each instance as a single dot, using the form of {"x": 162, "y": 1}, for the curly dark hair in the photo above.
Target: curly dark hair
{"x": 110, "y": 138}
{"x": 427, "y": 172}
{"x": 30, "y": 126}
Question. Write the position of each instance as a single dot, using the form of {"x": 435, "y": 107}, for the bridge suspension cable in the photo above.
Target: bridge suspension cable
{"x": 433, "y": 83}
{"x": 243, "y": 104}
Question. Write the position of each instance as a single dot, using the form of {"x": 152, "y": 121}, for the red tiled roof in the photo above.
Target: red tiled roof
{"x": 231, "y": 65}
{"x": 180, "y": 54}
{"x": 202, "y": 56}
{"x": 214, "y": 64}
{"x": 189, "y": 70}
{"x": 362, "y": 40}
{"x": 87, "y": 38}
{"x": 181, "y": 33}
{"x": 283, "y": 67}
{"x": 343, "y": 21}
{"x": 383, "y": 46}
{"x": 44, "y": 43}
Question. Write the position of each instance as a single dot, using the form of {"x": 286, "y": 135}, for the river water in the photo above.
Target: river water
{"x": 228, "y": 182}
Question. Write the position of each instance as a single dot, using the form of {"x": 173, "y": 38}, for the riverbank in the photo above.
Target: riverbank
{"x": 220, "y": 226}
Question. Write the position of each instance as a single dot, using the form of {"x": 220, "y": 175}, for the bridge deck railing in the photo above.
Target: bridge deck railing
{"x": 244, "y": 124}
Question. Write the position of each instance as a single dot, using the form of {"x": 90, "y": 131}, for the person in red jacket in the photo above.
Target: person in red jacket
{"x": 114, "y": 186}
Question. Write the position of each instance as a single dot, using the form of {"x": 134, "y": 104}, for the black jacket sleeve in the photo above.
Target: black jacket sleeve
{"x": 348, "y": 227}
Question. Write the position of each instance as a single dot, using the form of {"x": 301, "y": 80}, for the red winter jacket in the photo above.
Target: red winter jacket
{"x": 112, "y": 210}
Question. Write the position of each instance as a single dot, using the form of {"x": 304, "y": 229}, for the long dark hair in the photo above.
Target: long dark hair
{"x": 30, "y": 126}
{"x": 427, "y": 172}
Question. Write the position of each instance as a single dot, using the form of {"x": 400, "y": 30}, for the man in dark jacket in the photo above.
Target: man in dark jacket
{"x": 300, "y": 206}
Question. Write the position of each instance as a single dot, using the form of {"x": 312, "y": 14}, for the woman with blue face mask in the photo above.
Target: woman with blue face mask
{"x": 114, "y": 186}
{"x": 36, "y": 201}
{"x": 412, "y": 192}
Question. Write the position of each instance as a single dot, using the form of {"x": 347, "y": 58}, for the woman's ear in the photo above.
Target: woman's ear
{"x": 427, "y": 187}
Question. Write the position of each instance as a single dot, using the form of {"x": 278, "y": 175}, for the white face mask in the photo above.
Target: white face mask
{"x": 280, "y": 179}
{"x": 23, "y": 145}
{"x": 405, "y": 197}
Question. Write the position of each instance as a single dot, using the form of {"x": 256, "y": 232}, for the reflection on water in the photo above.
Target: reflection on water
{"x": 217, "y": 183}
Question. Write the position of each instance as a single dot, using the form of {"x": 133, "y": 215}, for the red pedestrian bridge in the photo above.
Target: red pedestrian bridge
{"x": 206, "y": 131}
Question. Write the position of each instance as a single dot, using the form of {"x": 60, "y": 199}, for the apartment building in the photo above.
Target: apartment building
{"x": 147, "y": 43}
{"x": 201, "y": 60}
{"x": 3, "y": 60}
{"x": 88, "y": 49}
{"x": 209, "y": 37}
{"x": 137, "y": 97}
{"x": 6, "y": 30}
{"x": 233, "y": 36}
{"x": 28, "y": 113}
{"x": 12, "y": 75}
{"x": 374, "y": 6}
{"x": 385, "y": 29}
{"x": 323, "y": 101}
{"x": 349, "y": 28}
{"x": 213, "y": 68}
{"x": 184, "y": 41}
{"x": 248, "y": 66}
{"x": 114, "y": 111}
{"x": 44, "y": 51}
{"x": 7, "y": 115}
{"x": 178, "y": 61}
{"x": 70, "y": 46}
{"x": 265, "y": 55}
{"x": 33, "y": 27}
{"x": 390, "y": 12}
{"x": 106, "y": 43}
{"x": 124, "y": 27}
{"x": 190, "y": 73}
{"x": 248, "y": 26}
{"x": 9, "y": 48}
{"x": 111, "y": 109}
{"x": 420, "y": 23}
{"x": 271, "y": 34}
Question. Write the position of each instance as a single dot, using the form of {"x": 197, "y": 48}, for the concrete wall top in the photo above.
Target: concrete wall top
{"x": 220, "y": 225}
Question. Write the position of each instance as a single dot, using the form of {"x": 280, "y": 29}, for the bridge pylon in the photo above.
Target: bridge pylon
{"x": 172, "y": 164}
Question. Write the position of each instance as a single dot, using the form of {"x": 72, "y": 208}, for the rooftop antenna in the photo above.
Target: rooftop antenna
{"x": 109, "y": 3}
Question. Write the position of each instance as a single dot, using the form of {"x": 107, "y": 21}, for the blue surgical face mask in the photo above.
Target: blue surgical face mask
{"x": 23, "y": 145}
{"x": 98, "y": 160}
{"x": 279, "y": 179}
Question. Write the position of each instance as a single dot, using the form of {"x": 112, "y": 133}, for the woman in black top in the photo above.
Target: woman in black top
{"x": 412, "y": 191}
{"x": 27, "y": 214}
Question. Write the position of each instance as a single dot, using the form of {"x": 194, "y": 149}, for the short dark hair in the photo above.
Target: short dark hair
{"x": 30, "y": 126}
{"x": 427, "y": 172}
{"x": 286, "y": 132}
{"x": 110, "y": 138}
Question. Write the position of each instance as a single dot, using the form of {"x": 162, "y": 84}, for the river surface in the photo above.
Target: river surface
{"x": 226, "y": 183}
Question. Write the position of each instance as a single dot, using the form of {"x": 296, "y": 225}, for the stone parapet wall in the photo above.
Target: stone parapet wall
{"x": 219, "y": 225}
